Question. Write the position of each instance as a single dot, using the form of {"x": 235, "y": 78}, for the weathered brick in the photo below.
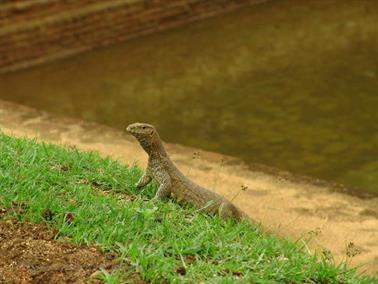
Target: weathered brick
{"x": 34, "y": 32}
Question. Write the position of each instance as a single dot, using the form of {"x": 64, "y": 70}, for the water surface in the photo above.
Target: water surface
{"x": 291, "y": 84}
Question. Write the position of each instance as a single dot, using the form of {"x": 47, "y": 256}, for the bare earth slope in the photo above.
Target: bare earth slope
{"x": 29, "y": 254}
{"x": 344, "y": 224}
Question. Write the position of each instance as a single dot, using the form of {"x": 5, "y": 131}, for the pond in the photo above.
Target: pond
{"x": 290, "y": 84}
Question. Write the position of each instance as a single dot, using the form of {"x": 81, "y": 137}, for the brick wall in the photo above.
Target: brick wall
{"x": 37, "y": 31}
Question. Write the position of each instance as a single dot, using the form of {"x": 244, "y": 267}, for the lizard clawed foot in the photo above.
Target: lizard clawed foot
{"x": 155, "y": 200}
{"x": 228, "y": 211}
{"x": 159, "y": 197}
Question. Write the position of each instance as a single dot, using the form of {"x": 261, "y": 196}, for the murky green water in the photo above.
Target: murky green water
{"x": 291, "y": 84}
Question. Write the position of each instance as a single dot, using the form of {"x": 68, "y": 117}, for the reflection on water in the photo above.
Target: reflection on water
{"x": 291, "y": 84}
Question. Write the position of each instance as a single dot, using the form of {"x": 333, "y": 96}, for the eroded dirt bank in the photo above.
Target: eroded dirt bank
{"x": 29, "y": 254}
{"x": 344, "y": 224}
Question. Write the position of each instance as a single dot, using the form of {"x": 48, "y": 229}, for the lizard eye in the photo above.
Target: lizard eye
{"x": 144, "y": 127}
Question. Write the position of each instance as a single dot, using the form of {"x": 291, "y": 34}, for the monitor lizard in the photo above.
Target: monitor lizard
{"x": 173, "y": 183}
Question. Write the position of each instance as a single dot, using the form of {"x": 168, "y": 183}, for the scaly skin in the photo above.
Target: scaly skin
{"x": 171, "y": 181}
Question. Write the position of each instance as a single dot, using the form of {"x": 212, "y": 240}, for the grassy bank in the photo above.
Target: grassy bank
{"x": 89, "y": 200}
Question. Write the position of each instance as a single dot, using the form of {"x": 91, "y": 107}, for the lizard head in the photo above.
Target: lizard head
{"x": 148, "y": 137}
{"x": 140, "y": 130}
{"x": 145, "y": 134}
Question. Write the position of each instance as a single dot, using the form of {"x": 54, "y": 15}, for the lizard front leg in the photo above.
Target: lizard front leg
{"x": 146, "y": 177}
{"x": 144, "y": 180}
{"x": 165, "y": 186}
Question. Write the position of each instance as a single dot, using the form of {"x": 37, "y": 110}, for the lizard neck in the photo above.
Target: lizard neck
{"x": 157, "y": 146}
{"x": 153, "y": 146}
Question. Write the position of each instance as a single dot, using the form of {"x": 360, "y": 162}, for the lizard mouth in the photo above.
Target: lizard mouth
{"x": 130, "y": 129}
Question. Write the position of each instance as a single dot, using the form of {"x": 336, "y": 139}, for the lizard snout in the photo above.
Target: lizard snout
{"x": 130, "y": 128}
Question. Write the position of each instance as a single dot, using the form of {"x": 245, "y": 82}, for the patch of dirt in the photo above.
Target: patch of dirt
{"x": 29, "y": 254}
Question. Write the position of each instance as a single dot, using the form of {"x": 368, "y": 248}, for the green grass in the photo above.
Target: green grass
{"x": 164, "y": 241}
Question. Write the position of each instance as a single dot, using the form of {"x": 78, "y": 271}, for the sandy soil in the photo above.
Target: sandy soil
{"x": 29, "y": 254}
{"x": 345, "y": 224}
